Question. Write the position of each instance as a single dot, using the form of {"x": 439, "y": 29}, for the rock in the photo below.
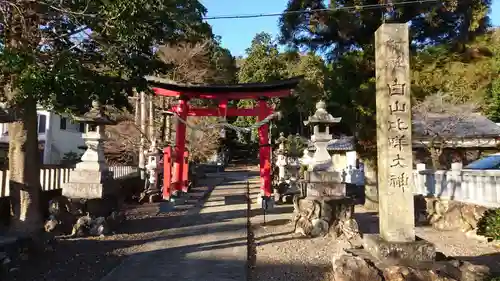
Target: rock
{"x": 472, "y": 272}
{"x": 403, "y": 273}
{"x": 57, "y": 205}
{"x": 473, "y": 235}
{"x": 115, "y": 219}
{"x": 451, "y": 270}
{"x": 354, "y": 268}
{"x": 98, "y": 227}
{"x": 471, "y": 214}
{"x": 452, "y": 216}
{"x": 51, "y": 225}
{"x": 61, "y": 219}
{"x": 359, "y": 265}
{"x": 450, "y": 220}
{"x": 82, "y": 226}
{"x": 4, "y": 259}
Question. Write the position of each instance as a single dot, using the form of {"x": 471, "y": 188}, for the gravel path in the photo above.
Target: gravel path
{"x": 89, "y": 259}
{"x": 450, "y": 243}
{"x": 279, "y": 255}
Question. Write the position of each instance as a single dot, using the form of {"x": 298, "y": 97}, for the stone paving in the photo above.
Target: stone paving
{"x": 209, "y": 244}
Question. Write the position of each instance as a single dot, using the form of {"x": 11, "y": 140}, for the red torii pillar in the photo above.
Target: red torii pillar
{"x": 264, "y": 149}
{"x": 223, "y": 93}
{"x": 180, "y": 146}
{"x": 262, "y": 111}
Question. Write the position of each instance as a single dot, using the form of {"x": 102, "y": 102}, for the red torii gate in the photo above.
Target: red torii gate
{"x": 222, "y": 93}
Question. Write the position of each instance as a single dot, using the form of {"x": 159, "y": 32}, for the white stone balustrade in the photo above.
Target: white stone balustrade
{"x": 481, "y": 187}
{"x": 52, "y": 177}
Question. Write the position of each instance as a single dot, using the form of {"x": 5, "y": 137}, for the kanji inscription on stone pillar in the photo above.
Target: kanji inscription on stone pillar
{"x": 395, "y": 162}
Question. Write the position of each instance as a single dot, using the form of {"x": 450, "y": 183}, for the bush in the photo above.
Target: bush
{"x": 489, "y": 224}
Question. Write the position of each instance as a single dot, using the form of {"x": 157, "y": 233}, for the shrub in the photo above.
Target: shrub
{"x": 489, "y": 224}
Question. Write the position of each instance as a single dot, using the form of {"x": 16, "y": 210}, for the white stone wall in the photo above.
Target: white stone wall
{"x": 481, "y": 187}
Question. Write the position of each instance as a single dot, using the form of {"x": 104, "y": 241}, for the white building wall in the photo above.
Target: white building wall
{"x": 57, "y": 141}
{"x": 64, "y": 141}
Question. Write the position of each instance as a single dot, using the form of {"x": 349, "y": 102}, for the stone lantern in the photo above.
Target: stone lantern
{"x": 91, "y": 178}
{"x": 153, "y": 189}
{"x": 321, "y": 121}
{"x": 324, "y": 207}
{"x": 281, "y": 160}
{"x": 293, "y": 161}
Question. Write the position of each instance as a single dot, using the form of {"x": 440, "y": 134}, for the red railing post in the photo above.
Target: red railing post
{"x": 185, "y": 172}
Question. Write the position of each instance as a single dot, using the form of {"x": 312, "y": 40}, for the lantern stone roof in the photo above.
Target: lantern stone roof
{"x": 96, "y": 116}
{"x": 321, "y": 116}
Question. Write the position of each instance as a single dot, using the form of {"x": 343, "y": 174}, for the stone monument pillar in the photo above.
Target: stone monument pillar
{"x": 394, "y": 148}
{"x": 325, "y": 207}
{"x": 396, "y": 254}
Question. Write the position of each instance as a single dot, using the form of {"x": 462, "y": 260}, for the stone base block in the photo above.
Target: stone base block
{"x": 88, "y": 190}
{"x": 86, "y": 184}
{"x": 323, "y": 215}
{"x": 90, "y": 176}
{"x": 326, "y": 189}
{"x": 415, "y": 251}
{"x": 323, "y": 176}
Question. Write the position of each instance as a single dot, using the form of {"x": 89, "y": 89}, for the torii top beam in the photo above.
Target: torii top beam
{"x": 282, "y": 88}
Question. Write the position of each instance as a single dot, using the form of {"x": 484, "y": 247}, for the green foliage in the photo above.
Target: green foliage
{"x": 466, "y": 76}
{"x": 345, "y": 37}
{"x": 71, "y": 158}
{"x": 265, "y": 63}
{"x": 340, "y": 31}
{"x": 493, "y": 110}
{"x": 489, "y": 224}
{"x": 295, "y": 145}
{"x": 68, "y": 54}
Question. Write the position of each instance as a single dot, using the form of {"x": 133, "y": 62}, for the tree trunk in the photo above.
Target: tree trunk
{"x": 168, "y": 122}
{"x": 163, "y": 120}
{"x": 142, "y": 159}
{"x": 151, "y": 123}
{"x": 435, "y": 154}
{"x": 24, "y": 166}
{"x": 137, "y": 112}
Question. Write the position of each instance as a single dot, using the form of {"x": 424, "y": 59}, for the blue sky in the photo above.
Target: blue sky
{"x": 238, "y": 33}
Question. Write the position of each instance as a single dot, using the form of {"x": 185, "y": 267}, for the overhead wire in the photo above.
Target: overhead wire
{"x": 344, "y": 8}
